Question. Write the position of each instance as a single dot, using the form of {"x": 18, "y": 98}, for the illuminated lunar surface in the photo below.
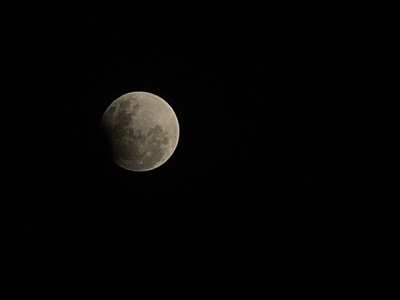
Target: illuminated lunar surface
{"x": 142, "y": 130}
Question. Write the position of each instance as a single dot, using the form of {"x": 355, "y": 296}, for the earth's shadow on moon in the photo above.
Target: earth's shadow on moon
{"x": 111, "y": 169}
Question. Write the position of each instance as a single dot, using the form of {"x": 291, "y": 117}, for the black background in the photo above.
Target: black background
{"x": 255, "y": 190}
{"x": 252, "y": 93}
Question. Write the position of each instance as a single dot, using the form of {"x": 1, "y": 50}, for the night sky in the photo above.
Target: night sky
{"x": 248, "y": 97}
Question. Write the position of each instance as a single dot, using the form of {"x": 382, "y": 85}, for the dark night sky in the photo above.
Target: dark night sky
{"x": 255, "y": 188}
{"x": 248, "y": 96}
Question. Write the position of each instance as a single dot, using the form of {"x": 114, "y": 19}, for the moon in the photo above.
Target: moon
{"x": 142, "y": 130}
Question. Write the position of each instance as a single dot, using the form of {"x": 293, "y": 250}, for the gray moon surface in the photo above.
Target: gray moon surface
{"x": 142, "y": 131}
